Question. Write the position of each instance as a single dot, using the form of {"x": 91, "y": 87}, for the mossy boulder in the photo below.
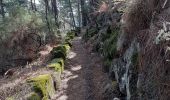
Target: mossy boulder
{"x": 70, "y": 35}
{"x": 60, "y": 48}
{"x": 59, "y": 52}
{"x": 67, "y": 47}
{"x": 68, "y": 43}
{"x": 57, "y": 64}
{"x": 43, "y": 85}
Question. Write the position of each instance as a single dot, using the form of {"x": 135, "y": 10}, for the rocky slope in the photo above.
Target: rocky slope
{"x": 134, "y": 41}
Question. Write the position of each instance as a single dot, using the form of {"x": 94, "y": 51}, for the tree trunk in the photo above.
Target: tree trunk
{"x": 2, "y": 9}
{"x": 35, "y": 8}
{"x": 72, "y": 13}
{"x": 83, "y": 12}
{"x": 79, "y": 13}
{"x": 46, "y": 14}
{"x": 32, "y": 5}
{"x": 55, "y": 10}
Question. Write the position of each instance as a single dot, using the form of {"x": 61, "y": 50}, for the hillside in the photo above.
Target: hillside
{"x": 84, "y": 50}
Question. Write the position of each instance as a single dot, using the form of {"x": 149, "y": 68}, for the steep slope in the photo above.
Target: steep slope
{"x": 135, "y": 48}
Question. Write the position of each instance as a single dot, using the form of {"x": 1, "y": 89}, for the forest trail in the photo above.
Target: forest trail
{"x": 83, "y": 77}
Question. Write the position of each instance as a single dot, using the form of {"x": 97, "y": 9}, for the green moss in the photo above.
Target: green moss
{"x": 67, "y": 47}
{"x": 43, "y": 84}
{"x": 68, "y": 43}
{"x": 57, "y": 64}
{"x": 34, "y": 96}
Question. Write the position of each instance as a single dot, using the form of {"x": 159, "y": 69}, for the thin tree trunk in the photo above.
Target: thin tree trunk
{"x": 83, "y": 12}
{"x": 46, "y": 14}
{"x": 55, "y": 10}
{"x": 35, "y": 8}
{"x": 32, "y": 5}
{"x": 2, "y": 9}
{"x": 72, "y": 13}
{"x": 79, "y": 13}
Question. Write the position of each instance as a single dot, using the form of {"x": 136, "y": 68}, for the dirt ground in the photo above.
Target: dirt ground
{"x": 83, "y": 78}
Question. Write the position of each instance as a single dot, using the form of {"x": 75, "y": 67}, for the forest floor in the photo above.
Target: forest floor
{"x": 83, "y": 78}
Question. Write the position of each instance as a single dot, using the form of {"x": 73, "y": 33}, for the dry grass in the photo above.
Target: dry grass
{"x": 139, "y": 20}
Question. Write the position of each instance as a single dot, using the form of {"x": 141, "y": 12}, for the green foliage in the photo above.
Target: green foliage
{"x": 43, "y": 85}
{"x": 109, "y": 48}
{"x": 89, "y": 33}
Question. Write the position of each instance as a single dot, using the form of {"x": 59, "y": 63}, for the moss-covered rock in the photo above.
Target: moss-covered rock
{"x": 67, "y": 47}
{"x": 70, "y": 35}
{"x": 60, "y": 51}
{"x": 59, "y": 48}
{"x": 68, "y": 43}
{"x": 43, "y": 85}
{"x": 58, "y": 54}
{"x": 57, "y": 65}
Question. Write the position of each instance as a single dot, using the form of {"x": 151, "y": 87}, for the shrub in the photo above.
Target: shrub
{"x": 109, "y": 46}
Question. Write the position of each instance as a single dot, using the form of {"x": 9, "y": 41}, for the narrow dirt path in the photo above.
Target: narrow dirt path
{"x": 83, "y": 78}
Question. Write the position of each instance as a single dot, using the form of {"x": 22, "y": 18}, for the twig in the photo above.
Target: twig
{"x": 164, "y": 3}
